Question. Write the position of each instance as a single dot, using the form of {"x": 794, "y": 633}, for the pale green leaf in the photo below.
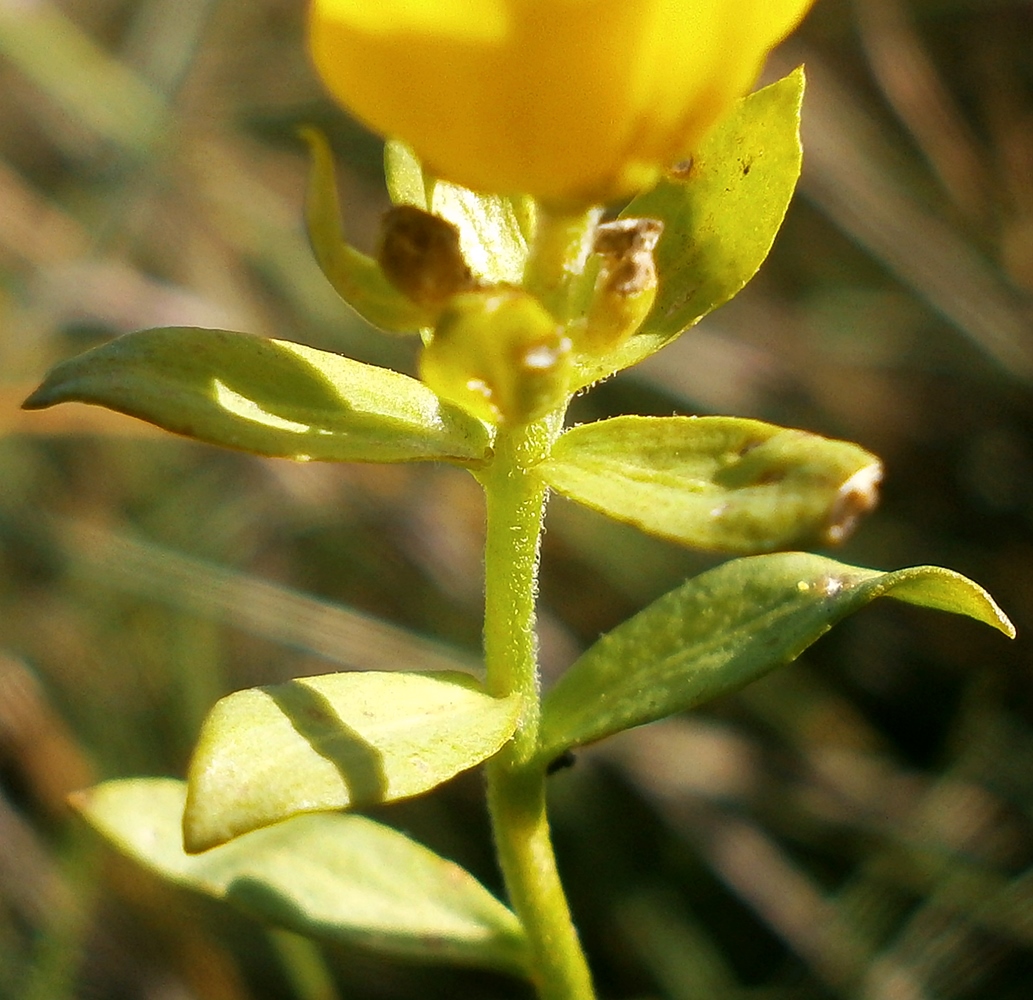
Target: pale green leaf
{"x": 404, "y": 175}
{"x": 725, "y": 628}
{"x": 356, "y": 277}
{"x": 720, "y": 218}
{"x": 341, "y": 877}
{"x": 346, "y": 739}
{"x": 270, "y": 397}
{"x": 494, "y": 231}
{"x": 721, "y": 483}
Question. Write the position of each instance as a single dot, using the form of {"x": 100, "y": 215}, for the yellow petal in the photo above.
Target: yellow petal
{"x": 475, "y": 20}
{"x": 568, "y": 100}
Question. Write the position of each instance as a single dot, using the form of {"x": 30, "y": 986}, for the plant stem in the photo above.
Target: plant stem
{"x": 562, "y": 244}
{"x": 515, "y": 499}
{"x": 516, "y": 782}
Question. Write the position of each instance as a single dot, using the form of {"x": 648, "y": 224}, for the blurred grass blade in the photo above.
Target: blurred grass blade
{"x": 269, "y": 397}
{"x": 720, "y": 483}
{"x": 77, "y": 74}
{"x": 678, "y": 953}
{"x": 334, "y": 742}
{"x": 728, "y": 627}
{"x": 299, "y": 621}
{"x": 340, "y": 635}
{"x": 852, "y": 176}
{"x": 331, "y": 876}
{"x": 304, "y": 965}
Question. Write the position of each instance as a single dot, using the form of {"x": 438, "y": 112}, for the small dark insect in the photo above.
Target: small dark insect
{"x": 565, "y": 759}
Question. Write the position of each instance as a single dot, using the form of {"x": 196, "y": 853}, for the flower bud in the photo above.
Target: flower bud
{"x": 575, "y": 102}
{"x": 625, "y": 287}
{"x": 420, "y": 255}
{"x": 500, "y": 355}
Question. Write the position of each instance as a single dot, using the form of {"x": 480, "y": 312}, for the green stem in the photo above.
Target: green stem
{"x": 562, "y": 244}
{"x": 515, "y": 499}
{"x": 516, "y": 781}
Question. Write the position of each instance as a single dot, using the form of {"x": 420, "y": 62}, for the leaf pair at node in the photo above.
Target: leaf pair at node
{"x": 268, "y": 757}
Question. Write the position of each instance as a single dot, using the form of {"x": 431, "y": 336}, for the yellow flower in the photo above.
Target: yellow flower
{"x": 572, "y": 101}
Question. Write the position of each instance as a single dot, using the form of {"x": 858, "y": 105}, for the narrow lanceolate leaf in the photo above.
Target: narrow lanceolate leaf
{"x": 404, "y": 175}
{"x": 356, "y": 277}
{"x": 728, "y": 627}
{"x": 348, "y": 739}
{"x": 720, "y": 483}
{"x": 720, "y": 215}
{"x": 494, "y": 231}
{"x": 331, "y": 876}
{"x": 270, "y": 397}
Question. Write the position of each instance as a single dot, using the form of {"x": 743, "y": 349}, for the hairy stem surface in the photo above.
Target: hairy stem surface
{"x": 516, "y": 783}
{"x": 515, "y": 499}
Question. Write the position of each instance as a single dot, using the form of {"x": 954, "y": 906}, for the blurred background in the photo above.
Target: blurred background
{"x": 858, "y": 825}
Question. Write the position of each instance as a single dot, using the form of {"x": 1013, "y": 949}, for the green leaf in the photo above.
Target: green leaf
{"x": 721, "y": 483}
{"x": 404, "y": 175}
{"x": 357, "y": 278}
{"x": 269, "y": 397}
{"x": 494, "y": 231}
{"x": 725, "y": 628}
{"x": 347, "y": 739}
{"x": 331, "y": 876}
{"x": 720, "y": 218}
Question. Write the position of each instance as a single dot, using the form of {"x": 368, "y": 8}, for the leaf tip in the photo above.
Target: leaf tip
{"x": 856, "y": 497}
{"x": 310, "y": 135}
{"x": 40, "y": 398}
{"x": 945, "y": 590}
{"x": 204, "y": 824}
{"x": 198, "y": 835}
{"x": 79, "y": 801}
{"x": 1003, "y": 623}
